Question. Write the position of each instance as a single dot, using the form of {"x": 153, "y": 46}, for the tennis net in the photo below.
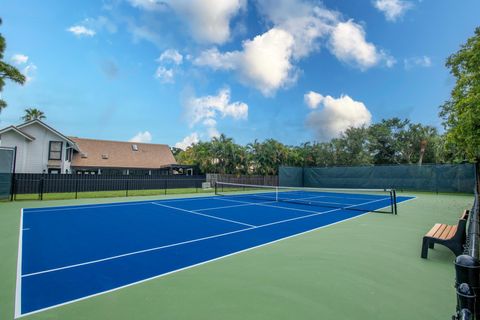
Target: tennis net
{"x": 375, "y": 200}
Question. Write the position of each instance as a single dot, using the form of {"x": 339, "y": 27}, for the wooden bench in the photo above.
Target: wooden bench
{"x": 452, "y": 237}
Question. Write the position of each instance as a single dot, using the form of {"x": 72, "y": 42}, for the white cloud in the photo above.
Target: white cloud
{"x": 268, "y": 61}
{"x": 29, "y": 72}
{"x": 188, "y": 141}
{"x": 392, "y": 9}
{"x": 90, "y": 26}
{"x": 171, "y": 55}
{"x": 144, "y": 32}
{"x": 208, "y": 20}
{"x": 150, "y": 5}
{"x": 313, "y": 99}
{"x": 337, "y": 115}
{"x": 142, "y": 137}
{"x": 19, "y": 59}
{"x": 305, "y": 22}
{"x": 264, "y": 63}
{"x": 79, "y": 31}
{"x": 349, "y": 45}
{"x": 217, "y": 60}
{"x": 205, "y": 110}
{"x": 423, "y": 61}
{"x": 165, "y": 75}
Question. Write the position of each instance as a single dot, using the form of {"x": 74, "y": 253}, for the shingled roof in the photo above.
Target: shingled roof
{"x": 117, "y": 154}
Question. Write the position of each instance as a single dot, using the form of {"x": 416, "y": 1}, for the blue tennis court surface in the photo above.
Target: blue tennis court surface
{"x": 74, "y": 252}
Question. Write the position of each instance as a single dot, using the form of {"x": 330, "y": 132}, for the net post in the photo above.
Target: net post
{"x": 215, "y": 186}
{"x": 276, "y": 194}
{"x": 395, "y": 211}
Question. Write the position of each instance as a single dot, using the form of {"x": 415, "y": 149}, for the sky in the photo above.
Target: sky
{"x": 181, "y": 71}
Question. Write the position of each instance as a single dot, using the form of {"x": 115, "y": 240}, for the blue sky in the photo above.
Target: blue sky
{"x": 178, "y": 71}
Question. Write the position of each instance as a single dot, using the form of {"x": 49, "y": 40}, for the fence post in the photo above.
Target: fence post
{"x": 126, "y": 191}
{"x": 12, "y": 186}
{"x": 41, "y": 188}
{"x": 165, "y": 186}
{"x": 76, "y": 187}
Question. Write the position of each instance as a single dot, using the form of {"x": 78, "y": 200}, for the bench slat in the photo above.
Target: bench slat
{"x": 433, "y": 230}
{"x": 452, "y": 232}
{"x": 440, "y": 231}
{"x": 445, "y": 233}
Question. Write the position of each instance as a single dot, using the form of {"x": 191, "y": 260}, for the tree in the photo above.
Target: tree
{"x": 384, "y": 143}
{"x": 353, "y": 147}
{"x": 32, "y": 114}
{"x": 176, "y": 152}
{"x": 461, "y": 113}
{"x": 7, "y": 71}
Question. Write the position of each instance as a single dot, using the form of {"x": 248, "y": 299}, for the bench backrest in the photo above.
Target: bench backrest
{"x": 462, "y": 227}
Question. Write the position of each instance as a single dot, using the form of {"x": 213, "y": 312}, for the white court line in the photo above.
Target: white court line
{"x": 189, "y": 241}
{"x": 118, "y": 204}
{"x": 18, "y": 289}
{"x": 87, "y": 206}
{"x": 203, "y": 214}
{"x": 194, "y": 265}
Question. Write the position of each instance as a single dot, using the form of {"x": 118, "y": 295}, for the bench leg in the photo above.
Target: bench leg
{"x": 425, "y": 245}
{"x": 431, "y": 245}
{"x": 456, "y": 247}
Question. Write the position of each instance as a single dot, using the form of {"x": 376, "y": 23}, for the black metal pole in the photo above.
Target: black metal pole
{"x": 12, "y": 184}
{"x": 41, "y": 188}
{"x": 395, "y": 201}
{"x": 76, "y": 187}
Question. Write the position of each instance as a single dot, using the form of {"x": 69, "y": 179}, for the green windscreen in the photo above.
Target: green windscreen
{"x": 7, "y": 157}
{"x": 435, "y": 178}
{"x": 290, "y": 176}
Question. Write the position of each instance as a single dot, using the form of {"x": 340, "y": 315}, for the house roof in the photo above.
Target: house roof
{"x": 36, "y": 121}
{"x": 117, "y": 154}
{"x": 18, "y": 131}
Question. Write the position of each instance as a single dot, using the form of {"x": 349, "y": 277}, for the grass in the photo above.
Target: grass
{"x": 366, "y": 268}
{"x": 110, "y": 194}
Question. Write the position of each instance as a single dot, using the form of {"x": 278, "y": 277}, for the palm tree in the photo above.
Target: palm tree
{"x": 32, "y": 114}
{"x": 7, "y": 71}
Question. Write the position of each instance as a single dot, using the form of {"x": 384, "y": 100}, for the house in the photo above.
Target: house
{"x": 117, "y": 157}
{"x": 40, "y": 148}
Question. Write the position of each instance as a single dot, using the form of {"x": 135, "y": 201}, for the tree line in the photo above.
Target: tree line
{"x": 391, "y": 141}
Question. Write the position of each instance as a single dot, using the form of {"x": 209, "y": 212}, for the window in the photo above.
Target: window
{"x": 55, "y": 150}
{"x": 68, "y": 154}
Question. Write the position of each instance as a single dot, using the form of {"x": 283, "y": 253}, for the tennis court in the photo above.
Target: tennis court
{"x": 73, "y": 252}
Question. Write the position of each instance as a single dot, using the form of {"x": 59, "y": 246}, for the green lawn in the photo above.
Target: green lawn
{"x": 111, "y": 194}
{"x": 365, "y": 268}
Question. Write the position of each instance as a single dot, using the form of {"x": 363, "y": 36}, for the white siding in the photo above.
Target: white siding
{"x": 13, "y": 139}
{"x": 32, "y": 156}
